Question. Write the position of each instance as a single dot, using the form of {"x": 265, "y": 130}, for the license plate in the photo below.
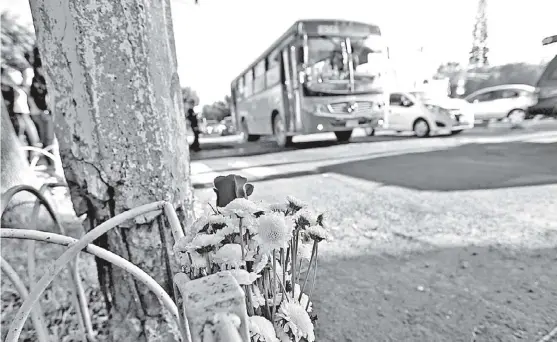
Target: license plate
{"x": 352, "y": 123}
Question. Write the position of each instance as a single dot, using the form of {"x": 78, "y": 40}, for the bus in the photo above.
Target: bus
{"x": 319, "y": 76}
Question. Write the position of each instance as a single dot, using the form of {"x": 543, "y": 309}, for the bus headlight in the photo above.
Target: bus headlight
{"x": 319, "y": 108}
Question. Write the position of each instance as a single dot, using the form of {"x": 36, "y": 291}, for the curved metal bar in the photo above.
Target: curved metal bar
{"x": 102, "y": 253}
{"x": 43, "y": 151}
{"x": 8, "y": 195}
{"x": 37, "y": 316}
{"x": 17, "y": 324}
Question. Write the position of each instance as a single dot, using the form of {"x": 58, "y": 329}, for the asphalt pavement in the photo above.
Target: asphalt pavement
{"x": 438, "y": 239}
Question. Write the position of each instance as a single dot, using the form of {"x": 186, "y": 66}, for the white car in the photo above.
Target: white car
{"x": 501, "y": 102}
{"x": 427, "y": 115}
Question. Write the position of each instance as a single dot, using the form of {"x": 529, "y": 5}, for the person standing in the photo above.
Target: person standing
{"x": 192, "y": 118}
{"x": 26, "y": 127}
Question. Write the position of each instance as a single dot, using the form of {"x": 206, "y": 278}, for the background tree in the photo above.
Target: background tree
{"x": 479, "y": 51}
{"x": 218, "y": 110}
{"x": 118, "y": 112}
{"x": 189, "y": 97}
{"x": 17, "y": 40}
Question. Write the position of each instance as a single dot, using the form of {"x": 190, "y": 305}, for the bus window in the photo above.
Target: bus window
{"x": 248, "y": 89}
{"x": 273, "y": 68}
{"x": 240, "y": 86}
{"x": 259, "y": 77}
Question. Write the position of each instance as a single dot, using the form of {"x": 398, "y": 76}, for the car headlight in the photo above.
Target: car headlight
{"x": 437, "y": 110}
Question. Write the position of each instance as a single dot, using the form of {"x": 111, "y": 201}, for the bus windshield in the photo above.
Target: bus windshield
{"x": 340, "y": 65}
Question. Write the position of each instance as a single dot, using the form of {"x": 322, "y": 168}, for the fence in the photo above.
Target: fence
{"x": 213, "y": 308}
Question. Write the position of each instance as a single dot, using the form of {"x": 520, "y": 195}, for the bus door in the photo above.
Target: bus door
{"x": 296, "y": 112}
{"x": 288, "y": 91}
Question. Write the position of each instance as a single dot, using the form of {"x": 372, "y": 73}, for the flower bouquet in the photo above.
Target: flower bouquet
{"x": 271, "y": 250}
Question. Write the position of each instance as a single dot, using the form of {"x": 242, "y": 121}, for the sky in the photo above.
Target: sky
{"x": 217, "y": 39}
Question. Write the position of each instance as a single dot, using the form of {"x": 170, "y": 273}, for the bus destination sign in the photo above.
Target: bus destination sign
{"x": 340, "y": 29}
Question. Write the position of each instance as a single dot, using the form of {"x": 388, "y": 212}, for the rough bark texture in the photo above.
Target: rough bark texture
{"x": 111, "y": 68}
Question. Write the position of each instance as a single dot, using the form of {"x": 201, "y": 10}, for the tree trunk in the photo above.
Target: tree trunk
{"x": 111, "y": 69}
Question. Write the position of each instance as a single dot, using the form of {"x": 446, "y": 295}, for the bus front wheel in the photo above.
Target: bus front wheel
{"x": 245, "y": 131}
{"x": 343, "y": 136}
{"x": 279, "y": 131}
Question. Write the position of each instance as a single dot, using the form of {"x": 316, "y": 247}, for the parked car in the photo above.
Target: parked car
{"x": 501, "y": 102}
{"x": 227, "y": 126}
{"x": 427, "y": 115}
{"x": 546, "y": 92}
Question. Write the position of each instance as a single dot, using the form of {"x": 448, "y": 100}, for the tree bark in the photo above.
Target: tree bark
{"x": 111, "y": 69}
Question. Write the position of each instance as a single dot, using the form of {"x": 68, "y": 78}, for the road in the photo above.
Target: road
{"x": 439, "y": 239}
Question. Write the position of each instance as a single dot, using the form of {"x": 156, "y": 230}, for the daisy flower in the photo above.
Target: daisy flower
{"x": 318, "y": 233}
{"x": 305, "y": 218}
{"x": 198, "y": 225}
{"x": 273, "y": 232}
{"x": 204, "y": 243}
{"x": 295, "y": 204}
{"x": 262, "y": 330}
{"x": 244, "y": 277}
{"x": 261, "y": 261}
{"x": 294, "y": 319}
{"x": 229, "y": 254}
{"x": 241, "y": 207}
{"x": 198, "y": 260}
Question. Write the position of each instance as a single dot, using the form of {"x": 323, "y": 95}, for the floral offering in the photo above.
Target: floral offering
{"x": 270, "y": 249}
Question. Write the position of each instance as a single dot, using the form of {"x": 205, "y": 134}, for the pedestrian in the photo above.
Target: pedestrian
{"x": 40, "y": 114}
{"x": 26, "y": 130}
{"x": 192, "y": 118}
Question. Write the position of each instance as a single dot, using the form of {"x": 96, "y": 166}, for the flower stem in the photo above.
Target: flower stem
{"x": 299, "y": 271}
{"x": 242, "y": 241}
{"x": 274, "y": 282}
{"x": 313, "y": 255}
{"x": 248, "y": 300}
{"x": 266, "y": 293}
{"x": 314, "y": 278}
{"x": 283, "y": 264}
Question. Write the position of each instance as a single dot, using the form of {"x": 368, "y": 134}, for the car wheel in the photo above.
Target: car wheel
{"x": 421, "y": 128}
{"x": 458, "y": 131}
{"x": 279, "y": 131}
{"x": 370, "y": 131}
{"x": 516, "y": 117}
{"x": 343, "y": 136}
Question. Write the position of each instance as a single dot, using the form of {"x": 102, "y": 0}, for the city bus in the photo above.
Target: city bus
{"x": 319, "y": 76}
{"x": 546, "y": 87}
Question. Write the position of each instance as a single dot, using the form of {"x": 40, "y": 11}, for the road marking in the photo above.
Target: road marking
{"x": 543, "y": 140}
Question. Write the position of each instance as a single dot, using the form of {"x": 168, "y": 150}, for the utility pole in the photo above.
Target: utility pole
{"x": 479, "y": 51}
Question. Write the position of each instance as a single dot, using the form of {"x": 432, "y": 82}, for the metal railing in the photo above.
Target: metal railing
{"x": 221, "y": 326}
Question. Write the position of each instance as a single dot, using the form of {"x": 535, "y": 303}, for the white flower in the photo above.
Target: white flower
{"x": 295, "y": 204}
{"x": 231, "y": 226}
{"x": 305, "y": 218}
{"x": 229, "y": 254}
{"x": 204, "y": 242}
{"x": 198, "y": 260}
{"x": 304, "y": 251}
{"x": 197, "y": 225}
{"x": 261, "y": 261}
{"x": 304, "y": 301}
{"x": 318, "y": 233}
{"x": 273, "y": 232}
{"x": 242, "y": 207}
{"x": 244, "y": 277}
{"x": 294, "y": 319}
{"x": 262, "y": 330}
{"x": 257, "y": 298}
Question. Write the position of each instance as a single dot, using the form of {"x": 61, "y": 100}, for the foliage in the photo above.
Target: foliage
{"x": 478, "y": 53}
{"x": 513, "y": 73}
{"x": 271, "y": 250}
{"x": 189, "y": 97}
{"x": 218, "y": 110}
{"x": 17, "y": 41}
